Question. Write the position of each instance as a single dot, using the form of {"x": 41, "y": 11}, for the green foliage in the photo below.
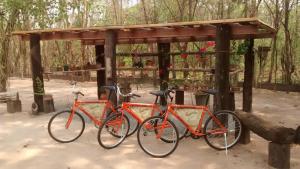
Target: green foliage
{"x": 128, "y": 61}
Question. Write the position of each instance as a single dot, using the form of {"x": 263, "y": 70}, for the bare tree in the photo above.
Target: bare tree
{"x": 287, "y": 61}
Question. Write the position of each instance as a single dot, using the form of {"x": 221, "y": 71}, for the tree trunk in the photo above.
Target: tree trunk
{"x": 274, "y": 43}
{"x": 4, "y": 55}
{"x": 287, "y": 61}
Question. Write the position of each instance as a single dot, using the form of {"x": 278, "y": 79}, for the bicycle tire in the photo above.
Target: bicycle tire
{"x": 237, "y": 136}
{"x": 55, "y": 116}
{"x": 146, "y": 150}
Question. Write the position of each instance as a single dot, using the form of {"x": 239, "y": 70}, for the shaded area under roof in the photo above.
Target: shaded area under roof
{"x": 242, "y": 28}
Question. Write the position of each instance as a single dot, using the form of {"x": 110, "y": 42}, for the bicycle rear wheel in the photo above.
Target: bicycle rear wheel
{"x": 219, "y": 138}
{"x": 57, "y": 127}
{"x": 113, "y": 131}
{"x": 149, "y": 138}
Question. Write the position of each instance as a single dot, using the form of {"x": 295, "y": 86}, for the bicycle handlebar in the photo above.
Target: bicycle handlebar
{"x": 116, "y": 88}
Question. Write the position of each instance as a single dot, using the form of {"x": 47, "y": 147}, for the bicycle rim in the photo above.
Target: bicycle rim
{"x": 215, "y": 135}
{"x": 58, "y": 130}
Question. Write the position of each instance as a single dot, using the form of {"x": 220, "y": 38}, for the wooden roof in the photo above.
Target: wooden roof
{"x": 168, "y": 32}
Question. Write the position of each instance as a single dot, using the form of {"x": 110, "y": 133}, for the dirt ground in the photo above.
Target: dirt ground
{"x": 25, "y": 143}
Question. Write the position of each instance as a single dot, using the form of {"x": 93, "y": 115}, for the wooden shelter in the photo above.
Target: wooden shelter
{"x": 106, "y": 38}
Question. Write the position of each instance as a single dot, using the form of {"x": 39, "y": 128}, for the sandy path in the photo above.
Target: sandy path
{"x": 24, "y": 141}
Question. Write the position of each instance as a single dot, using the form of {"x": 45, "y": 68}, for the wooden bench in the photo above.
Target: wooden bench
{"x": 12, "y": 101}
{"x": 280, "y": 138}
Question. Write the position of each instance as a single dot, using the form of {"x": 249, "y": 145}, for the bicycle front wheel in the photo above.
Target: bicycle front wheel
{"x": 225, "y": 137}
{"x": 150, "y": 133}
{"x": 59, "y": 130}
{"x": 113, "y": 131}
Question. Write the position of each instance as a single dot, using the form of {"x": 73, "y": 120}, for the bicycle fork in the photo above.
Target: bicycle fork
{"x": 70, "y": 119}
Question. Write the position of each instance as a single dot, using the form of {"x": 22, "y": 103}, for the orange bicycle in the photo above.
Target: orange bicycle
{"x": 68, "y": 125}
{"x": 105, "y": 137}
{"x": 158, "y": 135}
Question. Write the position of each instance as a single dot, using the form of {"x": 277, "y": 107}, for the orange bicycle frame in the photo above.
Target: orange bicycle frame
{"x": 98, "y": 122}
{"x": 198, "y": 131}
{"x": 126, "y": 107}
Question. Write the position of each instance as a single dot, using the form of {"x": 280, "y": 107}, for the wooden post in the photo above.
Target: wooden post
{"x": 99, "y": 50}
{"x": 155, "y": 77}
{"x": 110, "y": 61}
{"x": 37, "y": 72}
{"x": 163, "y": 64}
{"x": 48, "y": 103}
{"x": 279, "y": 155}
{"x": 179, "y": 97}
{"x": 173, "y": 67}
{"x": 222, "y": 67}
{"x": 247, "y": 88}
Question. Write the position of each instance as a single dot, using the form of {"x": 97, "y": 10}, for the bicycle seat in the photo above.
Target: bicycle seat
{"x": 158, "y": 93}
{"x": 132, "y": 95}
{"x": 78, "y": 93}
{"x": 109, "y": 87}
{"x": 210, "y": 91}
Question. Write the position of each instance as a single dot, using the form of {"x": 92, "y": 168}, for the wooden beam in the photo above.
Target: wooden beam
{"x": 222, "y": 67}
{"x": 165, "y": 32}
{"x": 110, "y": 61}
{"x": 266, "y": 129}
{"x": 247, "y": 88}
{"x": 238, "y": 29}
{"x": 152, "y": 40}
{"x": 164, "y": 62}
{"x": 37, "y": 71}
{"x": 99, "y": 50}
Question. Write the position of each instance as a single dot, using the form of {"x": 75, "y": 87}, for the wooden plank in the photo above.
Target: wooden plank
{"x": 247, "y": 87}
{"x": 222, "y": 67}
{"x": 37, "y": 72}
{"x": 99, "y": 50}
